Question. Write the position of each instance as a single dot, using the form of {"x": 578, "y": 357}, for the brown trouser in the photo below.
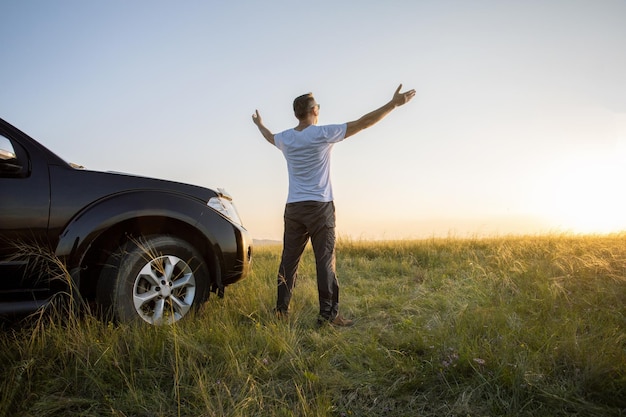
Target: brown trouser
{"x": 314, "y": 220}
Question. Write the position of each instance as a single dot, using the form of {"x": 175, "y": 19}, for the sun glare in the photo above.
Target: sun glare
{"x": 584, "y": 194}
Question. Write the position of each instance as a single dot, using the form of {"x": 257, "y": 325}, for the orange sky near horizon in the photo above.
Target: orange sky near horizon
{"x": 518, "y": 126}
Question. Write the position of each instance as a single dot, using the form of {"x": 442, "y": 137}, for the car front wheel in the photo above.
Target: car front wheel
{"x": 159, "y": 279}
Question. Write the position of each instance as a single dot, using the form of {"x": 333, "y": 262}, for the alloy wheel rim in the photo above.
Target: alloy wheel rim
{"x": 164, "y": 290}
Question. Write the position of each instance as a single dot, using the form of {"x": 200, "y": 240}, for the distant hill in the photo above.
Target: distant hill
{"x": 266, "y": 242}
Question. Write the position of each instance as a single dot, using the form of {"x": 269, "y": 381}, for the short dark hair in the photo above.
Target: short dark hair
{"x": 302, "y": 105}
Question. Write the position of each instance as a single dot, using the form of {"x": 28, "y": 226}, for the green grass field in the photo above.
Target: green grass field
{"x": 510, "y": 326}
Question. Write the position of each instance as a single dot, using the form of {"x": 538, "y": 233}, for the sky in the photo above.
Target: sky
{"x": 518, "y": 125}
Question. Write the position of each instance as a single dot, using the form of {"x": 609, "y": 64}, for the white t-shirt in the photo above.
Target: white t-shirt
{"x": 308, "y": 160}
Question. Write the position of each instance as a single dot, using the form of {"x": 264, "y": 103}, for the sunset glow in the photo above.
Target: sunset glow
{"x": 518, "y": 125}
{"x": 583, "y": 195}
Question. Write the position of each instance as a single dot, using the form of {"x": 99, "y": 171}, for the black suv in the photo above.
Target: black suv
{"x": 135, "y": 247}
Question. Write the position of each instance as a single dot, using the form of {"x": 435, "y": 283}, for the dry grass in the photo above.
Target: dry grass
{"x": 445, "y": 327}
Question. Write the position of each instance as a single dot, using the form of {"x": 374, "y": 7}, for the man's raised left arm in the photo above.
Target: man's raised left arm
{"x": 377, "y": 115}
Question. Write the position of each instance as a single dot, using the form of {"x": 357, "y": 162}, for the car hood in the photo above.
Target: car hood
{"x": 72, "y": 188}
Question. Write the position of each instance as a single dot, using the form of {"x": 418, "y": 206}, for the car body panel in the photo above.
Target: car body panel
{"x": 81, "y": 215}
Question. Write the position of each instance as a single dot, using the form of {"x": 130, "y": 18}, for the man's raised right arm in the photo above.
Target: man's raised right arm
{"x": 269, "y": 136}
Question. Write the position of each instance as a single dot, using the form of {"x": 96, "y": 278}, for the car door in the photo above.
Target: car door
{"x": 24, "y": 212}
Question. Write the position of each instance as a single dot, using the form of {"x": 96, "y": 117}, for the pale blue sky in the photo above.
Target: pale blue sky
{"x": 519, "y": 124}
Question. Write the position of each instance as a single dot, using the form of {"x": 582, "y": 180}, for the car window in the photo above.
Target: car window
{"x": 13, "y": 159}
{"x": 6, "y": 149}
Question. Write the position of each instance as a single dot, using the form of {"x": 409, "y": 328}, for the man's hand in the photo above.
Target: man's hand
{"x": 402, "y": 98}
{"x": 256, "y": 118}
{"x": 269, "y": 136}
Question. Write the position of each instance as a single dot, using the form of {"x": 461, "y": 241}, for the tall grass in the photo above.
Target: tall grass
{"x": 531, "y": 326}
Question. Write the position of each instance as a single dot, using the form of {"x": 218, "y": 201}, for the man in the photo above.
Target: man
{"x": 310, "y": 211}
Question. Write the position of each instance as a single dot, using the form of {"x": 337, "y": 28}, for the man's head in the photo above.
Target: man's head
{"x": 303, "y": 105}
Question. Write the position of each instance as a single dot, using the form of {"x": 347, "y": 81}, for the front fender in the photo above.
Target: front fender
{"x": 102, "y": 215}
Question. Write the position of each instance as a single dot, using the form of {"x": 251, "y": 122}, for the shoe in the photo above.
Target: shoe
{"x": 338, "y": 321}
{"x": 281, "y": 314}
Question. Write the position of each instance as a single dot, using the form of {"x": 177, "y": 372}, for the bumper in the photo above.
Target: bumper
{"x": 243, "y": 259}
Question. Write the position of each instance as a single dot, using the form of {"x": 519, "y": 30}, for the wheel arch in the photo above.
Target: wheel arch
{"x": 99, "y": 230}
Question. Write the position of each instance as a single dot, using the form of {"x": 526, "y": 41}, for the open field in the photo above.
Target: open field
{"x": 511, "y": 326}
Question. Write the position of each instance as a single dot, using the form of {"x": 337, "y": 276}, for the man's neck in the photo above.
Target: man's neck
{"x": 304, "y": 123}
{"x": 301, "y": 126}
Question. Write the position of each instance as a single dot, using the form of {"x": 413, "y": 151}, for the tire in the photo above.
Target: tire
{"x": 158, "y": 280}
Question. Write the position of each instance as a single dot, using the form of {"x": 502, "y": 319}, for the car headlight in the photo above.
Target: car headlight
{"x": 223, "y": 204}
